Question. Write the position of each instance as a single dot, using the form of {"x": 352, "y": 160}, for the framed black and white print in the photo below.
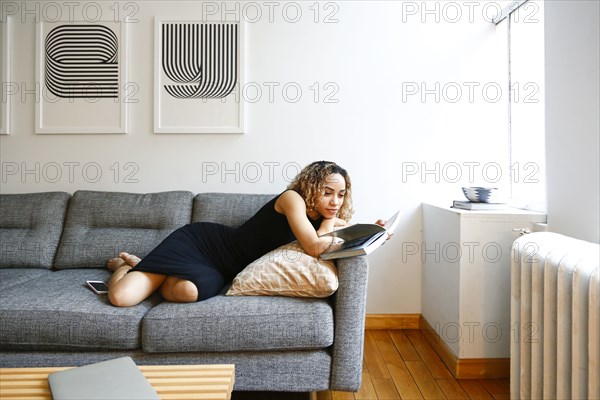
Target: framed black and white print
{"x": 5, "y": 74}
{"x": 81, "y": 77}
{"x": 199, "y": 71}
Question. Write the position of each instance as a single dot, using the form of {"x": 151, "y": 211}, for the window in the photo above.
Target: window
{"x": 523, "y": 23}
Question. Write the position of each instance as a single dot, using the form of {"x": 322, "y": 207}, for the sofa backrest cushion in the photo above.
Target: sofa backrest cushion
{"x": 231, "y": 209}
{"x": 30, "y": 228}
{"x": 100, "y": 225}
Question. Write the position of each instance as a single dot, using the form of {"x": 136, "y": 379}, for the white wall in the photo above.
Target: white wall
{"x": 572, "y": 122}
{"x": 401, "y": 147}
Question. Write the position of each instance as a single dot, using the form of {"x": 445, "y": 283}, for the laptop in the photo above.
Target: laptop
{"x": 107, "y": 380}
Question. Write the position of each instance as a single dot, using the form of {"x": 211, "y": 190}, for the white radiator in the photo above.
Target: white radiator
{"x": 555, "y": 316}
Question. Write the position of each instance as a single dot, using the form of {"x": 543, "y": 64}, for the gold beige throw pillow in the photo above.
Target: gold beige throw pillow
{"x": 286, "y": 271}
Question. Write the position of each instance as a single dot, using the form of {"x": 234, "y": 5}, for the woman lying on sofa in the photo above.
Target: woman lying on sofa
{"x": 196, "y": 261}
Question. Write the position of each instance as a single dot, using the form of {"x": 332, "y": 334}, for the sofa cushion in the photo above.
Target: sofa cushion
{"x": 30, "y": 228}
{"x": 100, "y": 225}
{"x": 10, "y": 277}
{"x": 59, "y": 312}
{"x": 286, "y": 271}
{"x": 225, "y": 323}
{"x": 231, "y": 209}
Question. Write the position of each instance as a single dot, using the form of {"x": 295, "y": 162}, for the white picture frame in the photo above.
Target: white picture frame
{"x": 188, "y": 103}
{"x": 5, "y": 64}
{"x": 96, "y": 103}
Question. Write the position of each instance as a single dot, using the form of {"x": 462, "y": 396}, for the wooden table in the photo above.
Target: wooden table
{"x": 214, "y": 382}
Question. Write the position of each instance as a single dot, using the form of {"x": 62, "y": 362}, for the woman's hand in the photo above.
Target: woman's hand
{"x": 381, "y": 222}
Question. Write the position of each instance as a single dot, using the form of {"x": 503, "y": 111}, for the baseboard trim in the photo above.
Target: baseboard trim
{"x": 392, "y": 321}
{"x": 465, "y": 368}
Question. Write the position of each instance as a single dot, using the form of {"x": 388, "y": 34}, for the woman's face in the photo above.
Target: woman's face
{"x": 332, "y": 196}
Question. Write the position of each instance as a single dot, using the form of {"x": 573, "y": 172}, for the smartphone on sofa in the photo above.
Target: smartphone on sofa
{"x": 98, "y": 287}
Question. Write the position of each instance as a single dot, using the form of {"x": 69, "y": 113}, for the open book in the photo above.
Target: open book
{"x": 361, "y": 239}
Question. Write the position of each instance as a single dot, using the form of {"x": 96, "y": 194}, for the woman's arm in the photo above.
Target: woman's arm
{"x": 292, "y": 205}
{"x": 330, "y": 224}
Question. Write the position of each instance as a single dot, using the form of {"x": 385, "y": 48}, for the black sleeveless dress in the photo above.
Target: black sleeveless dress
{"x": 210, "y": 255}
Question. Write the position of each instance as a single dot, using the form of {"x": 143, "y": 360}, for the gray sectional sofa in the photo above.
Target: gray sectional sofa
{"x": 52, "y": 242}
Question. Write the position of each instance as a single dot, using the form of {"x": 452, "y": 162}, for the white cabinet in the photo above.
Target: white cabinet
{"x": 466, "y": 277}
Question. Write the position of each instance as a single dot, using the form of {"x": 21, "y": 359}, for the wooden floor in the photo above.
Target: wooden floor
{"x": 400, "y": 364}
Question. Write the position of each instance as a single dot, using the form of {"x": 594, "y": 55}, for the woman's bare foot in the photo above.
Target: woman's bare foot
{"x": 130, "y": 259}
{"x": 124, "y": 259}
{"x": 115, "y": 263}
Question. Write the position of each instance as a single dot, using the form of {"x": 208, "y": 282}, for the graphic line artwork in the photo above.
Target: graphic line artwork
{"x": 82, "y": 62}
{"x": 202, "y": 58}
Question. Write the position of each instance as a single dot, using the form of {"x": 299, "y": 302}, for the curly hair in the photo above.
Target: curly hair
{"x": 310, "y": 184}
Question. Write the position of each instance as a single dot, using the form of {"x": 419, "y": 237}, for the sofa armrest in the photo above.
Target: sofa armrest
{"x": 349, "y": 316}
